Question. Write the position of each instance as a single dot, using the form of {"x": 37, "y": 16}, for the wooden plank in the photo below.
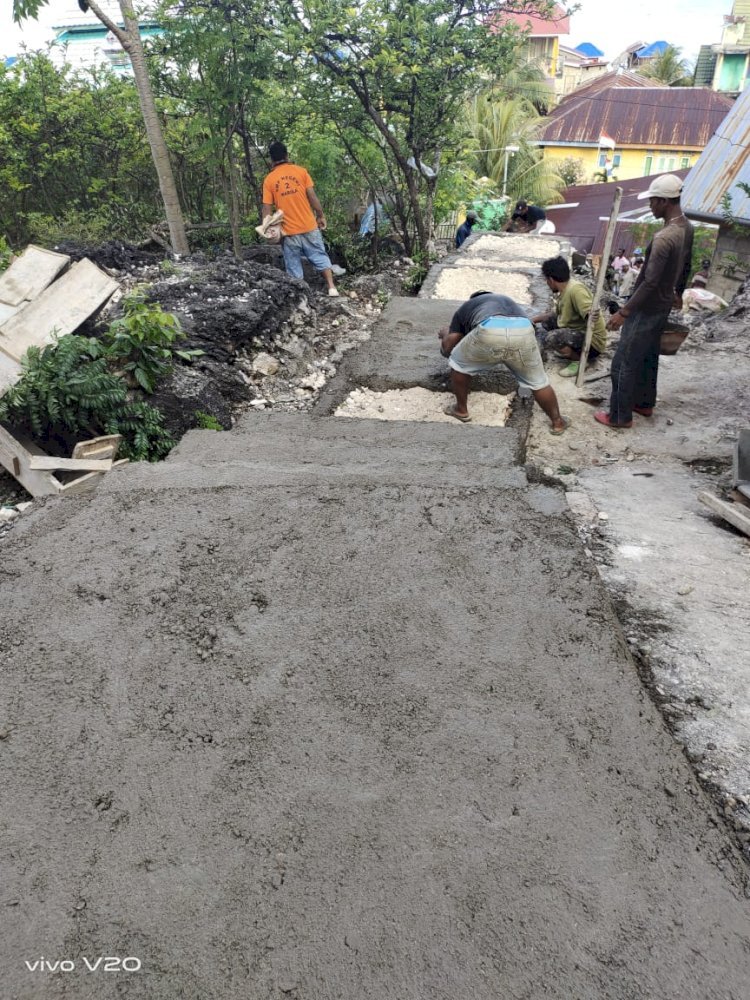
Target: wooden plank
{"x": 15, "y": 458}
{"x": 87, "y": 481}
{"x": 10, "y": 372}
{"x": 599, "y": 288}
{"x": 49, "y": 463}
{"x": 100, "y": 447}
{"x": 731, "y": 512}
{"x": 741, "y": 462}
{"x": 30, "y": 274}
{"x": 60, "y": 309}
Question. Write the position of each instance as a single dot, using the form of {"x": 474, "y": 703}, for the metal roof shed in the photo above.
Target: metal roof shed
{"x": 722, "y": 165}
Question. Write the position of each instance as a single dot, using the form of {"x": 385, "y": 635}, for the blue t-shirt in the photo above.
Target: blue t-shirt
{"x": 463, "y": 232}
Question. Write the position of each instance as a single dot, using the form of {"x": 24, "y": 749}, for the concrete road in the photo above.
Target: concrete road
{"x": 339, "y": 709}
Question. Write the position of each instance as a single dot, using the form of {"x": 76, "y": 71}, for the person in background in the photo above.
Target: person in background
{"x": 618, "y": 262}
{"x": 526, "y": 218}
{"x": 658, "y": 289}
{"x": 700, "y": 278}
{"x": 464, "y": 230}
{"x": 567, "y": 322}
{"x": 628, "y": 277}
{"x": 290, "y": 188}
{"x": 491, "y": 330}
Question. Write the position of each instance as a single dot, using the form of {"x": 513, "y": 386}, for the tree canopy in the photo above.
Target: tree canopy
{"x": 374, "y": 91}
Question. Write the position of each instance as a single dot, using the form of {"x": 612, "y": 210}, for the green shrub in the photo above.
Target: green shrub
{"x": 142, "y": 342}
{"x": 5, "y": 253}
{"x": 207, "y": 421}
{"x": 67, "y": 391}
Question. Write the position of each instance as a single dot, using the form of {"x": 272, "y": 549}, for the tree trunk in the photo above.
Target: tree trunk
{"x": 134, "y": 47}
{"x": 234, "y": 196}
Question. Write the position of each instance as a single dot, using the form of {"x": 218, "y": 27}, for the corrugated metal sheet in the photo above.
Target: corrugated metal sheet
{"x": 653, "y": 117}
{"x": 741, "y": 8}
{"x": 721, "y": 166}
{"x": 589, "y": 50}
{"x": 649, "y": 51}
{"x": 540, "y": 27}
{"x": 616, "y": 78}
{"x": 584, "y": 220}
{"x": 705, "y": 66}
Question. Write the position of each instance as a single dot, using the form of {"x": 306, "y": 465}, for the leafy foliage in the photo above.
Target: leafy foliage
{"x": 704, "y": 240}
{"x": 496, "y": 124}
{"x": 571, "y": 170}
{"x": 142, "y": 342}
{"x": 5, "y": 253}
{"x": 207, "y": 421}
{"x": 74, "y": 160}
{"x": 67, "y": 391}
{"x": 669, "y": 67}
{"x": 404, "y": 71}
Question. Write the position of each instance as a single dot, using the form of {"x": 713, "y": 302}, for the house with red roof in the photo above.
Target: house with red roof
{"x": 542, "y": 36}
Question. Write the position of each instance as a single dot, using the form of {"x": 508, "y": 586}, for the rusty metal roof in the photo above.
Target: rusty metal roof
{"x": 615, "y": 78}
{"x": 649, "y": 117}
{"x": 722, "y": 165}
{"x": 583, "y": 216}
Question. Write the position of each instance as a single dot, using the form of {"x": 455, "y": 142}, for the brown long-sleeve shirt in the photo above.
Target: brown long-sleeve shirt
{"x": 665, "y": 270}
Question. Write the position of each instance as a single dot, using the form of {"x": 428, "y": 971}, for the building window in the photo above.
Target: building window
{"x": 602, "y": 159}
{"x": 665, "y": 163}
{"x": 616, "y": 160}
{"x": 684, "y": 163}
{"x": 648, "y": 164}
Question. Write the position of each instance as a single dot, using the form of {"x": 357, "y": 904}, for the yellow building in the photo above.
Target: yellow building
{"x": 542, "y": 44}
{"x": 655, "y": 129}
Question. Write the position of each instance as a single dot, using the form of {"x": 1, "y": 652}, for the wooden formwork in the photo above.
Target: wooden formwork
{"x": 47, "y": 475}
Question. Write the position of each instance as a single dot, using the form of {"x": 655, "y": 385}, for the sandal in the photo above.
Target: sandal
{"x": 602, "y": 417}
{"x": 450, "y": 411}
{"x": 560, "y": 430}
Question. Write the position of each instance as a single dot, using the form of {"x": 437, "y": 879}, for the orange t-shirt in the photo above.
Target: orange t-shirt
{"x": 286, "y": 188}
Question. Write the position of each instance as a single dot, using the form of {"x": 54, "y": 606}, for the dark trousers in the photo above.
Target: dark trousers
{"x": 635, "y": 366}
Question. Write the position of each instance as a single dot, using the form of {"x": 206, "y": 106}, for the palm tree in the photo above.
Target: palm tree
{"x": 493, "y": 126}
{"x": 669, "y": 67}
{"x": 526, "y": 80}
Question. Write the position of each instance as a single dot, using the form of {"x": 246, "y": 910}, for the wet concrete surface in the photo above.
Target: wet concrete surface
{"x": 324, "y": 708}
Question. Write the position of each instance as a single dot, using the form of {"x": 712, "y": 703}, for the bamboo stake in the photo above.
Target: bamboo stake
{"x": 599, "y": 288}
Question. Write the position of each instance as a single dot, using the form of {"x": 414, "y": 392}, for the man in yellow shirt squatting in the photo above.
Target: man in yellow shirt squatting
{"x": 567, "y": 323}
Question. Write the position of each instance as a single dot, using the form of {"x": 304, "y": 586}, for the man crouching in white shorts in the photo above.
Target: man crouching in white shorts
{"x": 491, "y": 330}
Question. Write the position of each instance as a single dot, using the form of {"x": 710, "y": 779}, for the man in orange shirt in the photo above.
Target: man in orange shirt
{"x": 290, "y": 188}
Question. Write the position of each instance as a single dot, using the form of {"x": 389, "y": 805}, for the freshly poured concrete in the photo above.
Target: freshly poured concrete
{"x": 340, "y": 708}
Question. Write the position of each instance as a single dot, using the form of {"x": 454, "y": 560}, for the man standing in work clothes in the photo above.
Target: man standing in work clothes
{"x": 290, "y": 188}
{"x": 491, "y": 330}
{"x": 658, "y": 289}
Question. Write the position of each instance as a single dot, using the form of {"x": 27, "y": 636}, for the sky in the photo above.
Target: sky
{"x": 610, "y": 26}
{"x": 688, "y": 24}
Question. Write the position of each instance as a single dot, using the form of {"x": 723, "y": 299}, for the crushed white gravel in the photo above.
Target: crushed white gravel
{"x": 488, "y": 409}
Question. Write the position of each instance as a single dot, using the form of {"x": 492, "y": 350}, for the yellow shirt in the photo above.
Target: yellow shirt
{"x": 573, "y": 308}
{"x": 286, "y": 188}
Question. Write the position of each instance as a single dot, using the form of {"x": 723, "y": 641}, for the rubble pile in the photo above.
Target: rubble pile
{"x": 268, "y": 340}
